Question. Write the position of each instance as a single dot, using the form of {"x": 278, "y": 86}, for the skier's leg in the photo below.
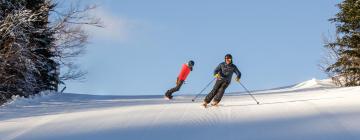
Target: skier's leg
{"x": 177, "y": 88}
{"x": 221, "y": 92}
{"x": 213, "y": 92}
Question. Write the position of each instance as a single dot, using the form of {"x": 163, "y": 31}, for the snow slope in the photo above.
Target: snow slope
{"x": 314, "y": 109}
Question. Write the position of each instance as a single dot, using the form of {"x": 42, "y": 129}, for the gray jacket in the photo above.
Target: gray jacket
{"x": 226, "y": 71}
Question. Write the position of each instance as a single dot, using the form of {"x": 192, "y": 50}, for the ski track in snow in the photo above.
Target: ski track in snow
{"x": 309, "y": 110}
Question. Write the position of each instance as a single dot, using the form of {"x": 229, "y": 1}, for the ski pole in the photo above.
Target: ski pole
{"x": 202, "y": 90}
{"x": 249, "y": 93}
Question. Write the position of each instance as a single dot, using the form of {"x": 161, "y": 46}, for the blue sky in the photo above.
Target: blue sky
{"x": 141, "y": 50}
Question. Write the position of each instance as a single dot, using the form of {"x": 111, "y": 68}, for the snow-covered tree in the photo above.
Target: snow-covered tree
{"x": 17, "y": 66}
{"x": 34, "y": 45}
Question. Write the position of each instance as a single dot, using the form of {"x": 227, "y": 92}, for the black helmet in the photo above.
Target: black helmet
{"x": 191, "y": 63}
{"x": 228, "y": 56}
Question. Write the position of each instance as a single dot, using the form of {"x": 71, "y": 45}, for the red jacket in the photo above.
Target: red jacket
{"x": 185, "y": 70}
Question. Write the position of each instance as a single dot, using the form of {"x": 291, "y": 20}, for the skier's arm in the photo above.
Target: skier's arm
{"x": 238, "y": 73}
{"x": 217, "y": 69}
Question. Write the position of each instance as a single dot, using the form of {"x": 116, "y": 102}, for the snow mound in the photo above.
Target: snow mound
{"x": 17, "y": 101}
{"x": 314, "y": 83}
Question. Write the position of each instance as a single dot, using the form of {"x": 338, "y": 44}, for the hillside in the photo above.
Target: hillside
{"x": 314, "y": 109}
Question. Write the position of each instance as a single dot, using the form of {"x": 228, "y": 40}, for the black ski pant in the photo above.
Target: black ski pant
{"x": 176, "y": 88}
{"x": 218, "y": 91}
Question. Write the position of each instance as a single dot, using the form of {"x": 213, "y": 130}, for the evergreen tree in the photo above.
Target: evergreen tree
{"x": 43, "y": 42}
{"x": 346, "y": 70}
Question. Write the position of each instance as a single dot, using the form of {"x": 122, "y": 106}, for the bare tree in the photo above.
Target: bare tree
{"x": 331, "y": 54}
{"x": 72, "y": 38}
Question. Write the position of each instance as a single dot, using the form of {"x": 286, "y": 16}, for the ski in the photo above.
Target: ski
{"x": 167, "y": 98}
{"x": 208, "y": 106}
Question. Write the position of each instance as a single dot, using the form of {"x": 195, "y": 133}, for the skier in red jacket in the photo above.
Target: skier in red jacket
{"x": 185, "y": 70}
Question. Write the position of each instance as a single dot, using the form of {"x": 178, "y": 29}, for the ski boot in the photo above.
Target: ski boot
{"x": 205, "y": 104}
{"x": 168, "y": 97}
{"x": 215, "y": 103}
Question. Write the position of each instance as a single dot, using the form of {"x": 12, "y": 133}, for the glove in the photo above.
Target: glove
{"x": 177, "y": 81}
{"x": 217, "y": 76}
{"x": 237, "y": 79}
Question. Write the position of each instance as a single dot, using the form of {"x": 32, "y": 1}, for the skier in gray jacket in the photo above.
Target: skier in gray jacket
{"x": 223, "y": 73}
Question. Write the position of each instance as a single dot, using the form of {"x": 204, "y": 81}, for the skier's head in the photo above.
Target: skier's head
{"x": 191, "y": 64}
{"x": 228, "y": 58}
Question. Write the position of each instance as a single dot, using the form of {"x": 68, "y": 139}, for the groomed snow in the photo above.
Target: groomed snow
{"x": 314, "y": 109}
